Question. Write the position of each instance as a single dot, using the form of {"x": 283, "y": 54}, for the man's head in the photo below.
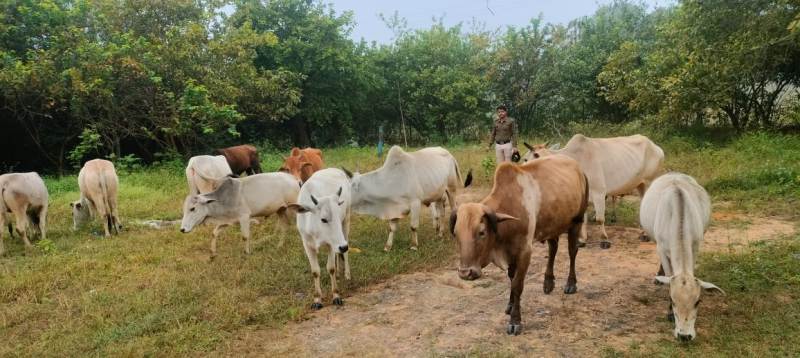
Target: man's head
{"x": 502, "y": 111}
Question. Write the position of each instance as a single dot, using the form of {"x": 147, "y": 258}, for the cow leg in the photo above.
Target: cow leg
{"x": 572, "y": 242}
{"x": 214, "y": 234}
{"x": 346, "y": 230}
{"x": 613, "y": 218}
{"x": 311, "y": 253}
{"x": 584, "y": 233}
{"x": 512, "y": 269}
{"x": 332, "y": 272}
{"x": 392, "y": 229}
{"x": 2, "y": 233}
{"x": 244, "y": 224}
{"x": 549, "y": 277}
{"x": 22, "y": 225}
{"x": 517, "y": 285}
{"x": 43, "y": 222}
{"x": 642, "y": 188}
{"x": 599, "y": 201}
{"x": 414, "y": 219}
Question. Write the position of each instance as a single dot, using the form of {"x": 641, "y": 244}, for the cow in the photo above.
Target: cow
{"x": 25, "y": 196}
{"x": 614, "y": 166}
{"x": 676, "y": 211}
{"x": 404, "y": 183}
{"x": 323, "y": 219}
{"x": 538, "y": 200}
{"x": 238, "y": 200}
{"x": 303, "y": 162}
{"x": 241, "y": 159}
{"x": 98, "y": 183}
{"x": 205, "y": 172}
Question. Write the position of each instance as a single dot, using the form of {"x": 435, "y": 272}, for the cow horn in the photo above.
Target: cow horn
{"x": 530, "y": 147}
{"x": 491, "y": 218}
{"x": 347, "y": 172}
{"x": 314, "y": 200}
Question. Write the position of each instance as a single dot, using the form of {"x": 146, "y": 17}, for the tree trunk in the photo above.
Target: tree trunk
{"x": 300, "y": 132}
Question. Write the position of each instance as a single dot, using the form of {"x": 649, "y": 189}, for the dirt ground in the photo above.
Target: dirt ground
{"x": 437, "y": 314}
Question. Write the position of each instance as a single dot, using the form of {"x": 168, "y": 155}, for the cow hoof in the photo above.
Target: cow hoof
{"x": 671, "y": 317}
{"x": 644, "y": 238}
{"x": 338, "y": 301}
{"x": 605, "y": 245}
{"x": 387, "y": 249}
{"x": 548, "y": 286}
{"x": 316, "y": 306}
{"x": 570, "y": 289}
{"x": 514, "y": 329}
{"x": 580, "y": 243}
{"x": 508, "y": 308}
{"x": 413, "y": 248}
{"x": 657, "y": 282}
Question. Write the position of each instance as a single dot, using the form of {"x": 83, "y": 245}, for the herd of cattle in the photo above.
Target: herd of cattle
{"x": 537, "y": 200}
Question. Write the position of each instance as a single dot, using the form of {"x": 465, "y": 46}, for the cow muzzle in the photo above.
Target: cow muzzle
{"x": 469, "y": 274}
{"x": 184, "y": 230}
{"x": 343, "y": 249}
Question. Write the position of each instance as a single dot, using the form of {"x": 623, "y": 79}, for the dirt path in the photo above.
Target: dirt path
{"x": 437, "y": 314}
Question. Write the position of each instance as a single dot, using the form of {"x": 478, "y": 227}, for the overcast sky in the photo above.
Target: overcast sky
{"x": 420, "y": 13}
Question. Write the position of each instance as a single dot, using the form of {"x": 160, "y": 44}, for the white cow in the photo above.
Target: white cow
{"x": 323, "y": 219}
{"x": 676, "y": 211}
{"x": 24, "y": 195}
{"x": 238, "y": 200}
{"x": 614, "y": 166}
{"x": 404, "y": 183}
{"x": 205, "y": 172}
{"x": 98, "y": 183}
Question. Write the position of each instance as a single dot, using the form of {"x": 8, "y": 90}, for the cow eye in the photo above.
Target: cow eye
{"x": 536, "y": 155}
{"x": 325, "y": 221}
{"x": 697, "y": 303}
{"x": 192, "y": 209}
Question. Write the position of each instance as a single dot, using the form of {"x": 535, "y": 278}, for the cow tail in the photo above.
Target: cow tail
{"x": 468, "y": 180}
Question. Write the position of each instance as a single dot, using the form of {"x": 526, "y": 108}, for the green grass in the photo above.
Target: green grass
{"x": 155, "y": 292}
{"x": 760, "y": 316}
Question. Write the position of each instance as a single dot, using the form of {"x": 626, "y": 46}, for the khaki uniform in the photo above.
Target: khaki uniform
{"x": 504, "y": 137}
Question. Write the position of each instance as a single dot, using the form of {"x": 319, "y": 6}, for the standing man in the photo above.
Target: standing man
{"x": 504, "y": 135}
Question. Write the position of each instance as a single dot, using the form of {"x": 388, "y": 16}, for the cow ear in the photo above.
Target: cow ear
{"x": 503, "y": 217}
{"x": 300, "y": 209}
{"x": 341, "y": 203}
{"x": 555, "y": 146}
{"x": 709, "y": 286}
{"x": 530, "y": 147}
{"x": 453, "y": 219}
{"x": 295, "y": 151}
{"x": 664, "y": 279}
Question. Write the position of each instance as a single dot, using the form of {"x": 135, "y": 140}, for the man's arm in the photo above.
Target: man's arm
{"x": 494, "y": 133}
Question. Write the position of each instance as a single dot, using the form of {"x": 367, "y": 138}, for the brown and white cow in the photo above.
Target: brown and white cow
{"x": 536, "y": 201}
{"x": 23, "y": 195}
{"x": 302, "y": 163}
{"x": 98, "y": 183}
{"x": 614, "y": 166}
{"x": 241, "y": 159}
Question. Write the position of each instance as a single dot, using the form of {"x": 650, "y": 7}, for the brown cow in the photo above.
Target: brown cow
{"x": 535, "y": 201}
{"x": 302, "y": 163}
{"x": 241, "y": 158}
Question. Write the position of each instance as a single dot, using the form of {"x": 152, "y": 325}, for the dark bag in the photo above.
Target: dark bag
{"x": 515, "y": 157}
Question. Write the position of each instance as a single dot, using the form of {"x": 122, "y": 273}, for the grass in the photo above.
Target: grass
{"x": 155, "y": 292}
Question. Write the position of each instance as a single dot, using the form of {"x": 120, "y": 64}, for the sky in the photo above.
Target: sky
{"x": 420, "y": 13}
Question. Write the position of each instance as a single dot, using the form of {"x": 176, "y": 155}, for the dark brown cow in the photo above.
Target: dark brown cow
{"x": 535, "y": 201}
{"x": 303, "y": 162}
{"x": 241, "y": 158}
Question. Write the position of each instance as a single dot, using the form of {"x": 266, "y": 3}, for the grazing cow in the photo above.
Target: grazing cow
{"x": 98, "y": 183}
{"x": 205, "y": 172}
{"x": 302, "y": 163}
{"x": 238, "y": 200}
{"x": 614, "y": 166}
{"x": 404, "y": 183}
{"x": 23, "y": 195}
{"x": 536, "y": 201}
{"x": 241, "y": 159}
{"x": 323, "y": 219}
{"x": 676, "y": 211}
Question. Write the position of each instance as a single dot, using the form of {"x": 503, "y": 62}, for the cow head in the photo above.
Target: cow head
{"x": 539, "y": 150}
{"x": 296, "y": 164}
{"x": 684, "y": 292}
{"x": 327, "y": 213}
{"x": 80, "y": 213}
{"x": 198, "y": 207}
{"x": 474, "y": 227}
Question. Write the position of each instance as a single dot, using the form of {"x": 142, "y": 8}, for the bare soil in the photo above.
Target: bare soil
{"x": 437, "y": 314}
